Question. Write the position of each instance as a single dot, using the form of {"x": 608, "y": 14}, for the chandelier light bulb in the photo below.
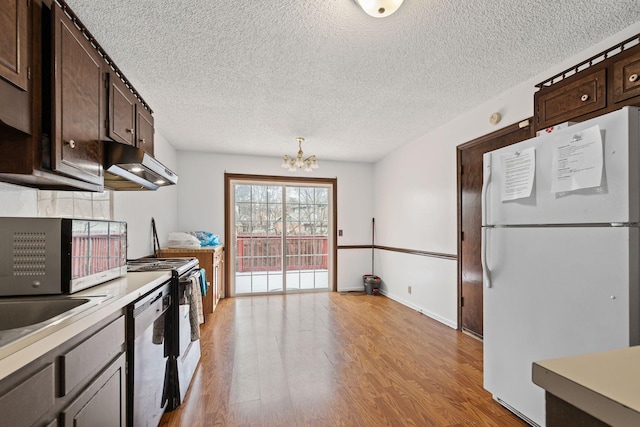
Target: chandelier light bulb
{"x": 298, "y": 162}
{"x": 379, "y": 8}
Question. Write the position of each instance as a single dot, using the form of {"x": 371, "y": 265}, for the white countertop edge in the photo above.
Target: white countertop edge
{"x": 565, "y": 385}
{"x": 123, "y": 291}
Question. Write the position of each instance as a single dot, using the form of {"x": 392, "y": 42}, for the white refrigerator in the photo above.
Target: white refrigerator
{"x": 560, "y": 252}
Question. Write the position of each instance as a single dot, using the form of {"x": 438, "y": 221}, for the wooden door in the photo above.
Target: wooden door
{"x": 78, "y": 109}
{"x": 13, "y": 42}
{"x": 470, "y": 220}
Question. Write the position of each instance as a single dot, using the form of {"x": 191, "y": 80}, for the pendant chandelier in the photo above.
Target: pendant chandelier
{"x": 298, "y": 162}
{"x": 379, "y": 8}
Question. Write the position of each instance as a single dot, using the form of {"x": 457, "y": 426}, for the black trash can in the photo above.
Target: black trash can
{"x": 371, "y": 284}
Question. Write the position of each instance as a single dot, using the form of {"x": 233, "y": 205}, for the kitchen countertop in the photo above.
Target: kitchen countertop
{"x": 605, "y": 384}
{"x": 121, "y": 291}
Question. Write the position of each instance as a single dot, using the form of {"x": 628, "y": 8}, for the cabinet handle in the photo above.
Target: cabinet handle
{"x": 130, "y": 130}
{"x": 71, "y": 143}
{"x": 633, "y": 78}
{"x": 584, "y": 97}
{"x": 144, "y": 141}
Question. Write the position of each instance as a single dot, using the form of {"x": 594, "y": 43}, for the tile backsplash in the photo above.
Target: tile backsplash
{"x": 75, "y": 204}
{"x": 23, "y": 201}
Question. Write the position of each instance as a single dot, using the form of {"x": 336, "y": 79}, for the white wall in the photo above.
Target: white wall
{"x": 201, "y": 201}
{"x": 415, "y": 196}
{"x": 138, "y": 207}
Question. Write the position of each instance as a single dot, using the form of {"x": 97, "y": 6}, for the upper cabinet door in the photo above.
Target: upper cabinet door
{"x": 77, "y": 112}
{"x": 122, "y": 111}
{"x": 14, "y": 24}
{"x": 145, "y": 130}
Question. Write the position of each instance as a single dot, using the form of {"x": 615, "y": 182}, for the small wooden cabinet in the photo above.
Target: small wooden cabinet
{"x": 212, "y": 260}
{"x": 626, "y": 78}
{"x": 581, "y": 96}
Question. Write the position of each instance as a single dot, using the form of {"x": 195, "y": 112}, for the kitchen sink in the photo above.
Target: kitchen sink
{"x": 20, "y": 317}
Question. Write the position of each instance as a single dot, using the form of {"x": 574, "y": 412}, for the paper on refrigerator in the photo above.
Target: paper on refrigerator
{"x": 577, "y": 161}
{"x": 519, "y": 170}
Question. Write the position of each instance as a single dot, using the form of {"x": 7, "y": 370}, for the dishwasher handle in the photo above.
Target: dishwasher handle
{"x": 151, "y": 312}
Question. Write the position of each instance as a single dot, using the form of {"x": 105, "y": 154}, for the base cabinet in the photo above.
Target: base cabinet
{"x": 561, "y": 413}
{"x": 80, "y": 383}
{"x": 103, "y": 401}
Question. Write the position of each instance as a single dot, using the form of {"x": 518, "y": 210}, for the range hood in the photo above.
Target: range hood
{"x": 129, "y": 168}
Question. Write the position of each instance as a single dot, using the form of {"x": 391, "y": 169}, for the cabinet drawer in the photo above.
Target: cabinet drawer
{"x": 626, "y": 78}
{"x": 29, "y": 401}
{"x": 91, "y": 355}
{"x": 582, "y": 96}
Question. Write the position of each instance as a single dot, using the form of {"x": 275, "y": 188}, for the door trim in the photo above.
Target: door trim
{"x": 229, "y": 177}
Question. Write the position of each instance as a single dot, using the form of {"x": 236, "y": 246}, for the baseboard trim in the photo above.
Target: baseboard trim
{"x": 434, "y": 316}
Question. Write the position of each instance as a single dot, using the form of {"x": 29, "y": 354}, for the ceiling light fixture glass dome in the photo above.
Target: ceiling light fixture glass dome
{"x": 379, "y": 8}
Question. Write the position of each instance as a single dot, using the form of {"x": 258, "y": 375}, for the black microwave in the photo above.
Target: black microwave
{"x": 59, "y": 255}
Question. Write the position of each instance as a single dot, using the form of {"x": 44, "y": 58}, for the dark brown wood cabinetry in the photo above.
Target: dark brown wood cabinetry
{"x": 77, "y": 113}
{"x": 599, "y": 85}
{"x": 582, "y": 96}
{"x": 13, "y": 45}
{"x": 130, "y": 121}
{"x": 121, "y": 125}
{"x": 61, "y": 95}
{"x": 626, "y": 81}
{"x": 80, "y": 383}
{"x": 144, "y": 129}
{"x": 15, "y": 64}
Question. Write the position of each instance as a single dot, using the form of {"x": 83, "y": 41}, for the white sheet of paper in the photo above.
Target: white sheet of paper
{"x": 519, "y": 172}
{"x": 577, "y": 161}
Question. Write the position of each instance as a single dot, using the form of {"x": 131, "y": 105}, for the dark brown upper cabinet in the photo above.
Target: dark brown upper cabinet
{"x": 15, "y": 64}
{"x": 77, "y": 102}
{"x": 14, "y": 22}
{"x": 144, "y": 129}
{"x": 130, "y": 121}
{"x": 626, "y": 78}
{"x": 121, "y": 125}
{"x": 601, "y": 84}
{"x": 581, "y": 96}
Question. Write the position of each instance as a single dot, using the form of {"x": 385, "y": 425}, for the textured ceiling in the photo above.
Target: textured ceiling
{"x": 249, "y": 76}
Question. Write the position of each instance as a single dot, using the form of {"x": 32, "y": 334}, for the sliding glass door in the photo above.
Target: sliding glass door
{"x": 281, "y": 239}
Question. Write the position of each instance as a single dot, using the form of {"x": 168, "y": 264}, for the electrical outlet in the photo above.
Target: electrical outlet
{"x": 409, "y": 289}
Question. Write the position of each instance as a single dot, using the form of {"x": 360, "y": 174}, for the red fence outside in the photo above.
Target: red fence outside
{"x": 264, "y": 253}
{"x": 97, "y": 253}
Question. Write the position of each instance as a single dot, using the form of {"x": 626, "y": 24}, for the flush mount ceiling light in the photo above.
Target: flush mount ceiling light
{"x": 298, "y": 162}
{"x": 379, "y": 8}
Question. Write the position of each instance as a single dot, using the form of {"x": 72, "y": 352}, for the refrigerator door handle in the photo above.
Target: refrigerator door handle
{"x": 486, "y": 273}
{"x": 486, "y": 176}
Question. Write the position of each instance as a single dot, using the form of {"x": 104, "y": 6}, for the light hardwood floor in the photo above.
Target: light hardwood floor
{"x": 331, "y": 359}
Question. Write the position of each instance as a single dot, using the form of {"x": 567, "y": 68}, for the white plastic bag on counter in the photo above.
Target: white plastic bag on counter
{"x": 178, "y": 239}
